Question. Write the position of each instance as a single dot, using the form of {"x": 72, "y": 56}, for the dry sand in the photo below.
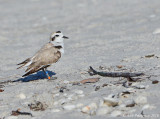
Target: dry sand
{"x": 103, "y": 33}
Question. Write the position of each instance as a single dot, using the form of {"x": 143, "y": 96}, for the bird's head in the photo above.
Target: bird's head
{"x": 57, "y": 37}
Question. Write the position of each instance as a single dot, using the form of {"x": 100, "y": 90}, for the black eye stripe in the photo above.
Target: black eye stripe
{"x": 53, "y": 38}
{"x": 56, "y": 35}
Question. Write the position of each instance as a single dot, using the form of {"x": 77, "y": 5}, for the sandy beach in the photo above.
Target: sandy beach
{"x": 109, "y": 35}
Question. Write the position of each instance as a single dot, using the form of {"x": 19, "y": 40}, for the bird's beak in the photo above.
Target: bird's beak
{"x": 65, "y": 37}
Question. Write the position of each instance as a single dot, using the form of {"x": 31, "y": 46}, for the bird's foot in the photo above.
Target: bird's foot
{"x": 51, "y": 78}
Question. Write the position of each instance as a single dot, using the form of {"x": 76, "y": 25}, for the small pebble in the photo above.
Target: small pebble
{"x": 141, "y": 100}
{"x": 155, "y": 82}
{"x": 62, "y": 101}
{"x": 97, "y": 88}
{"x": 1, "y": 90}
{"x": 101, "y": 103}
{"x": 82, "y": 95}
{"x": 79, "y": 92}
{"x": 37, "y": 106}
{"x": 105, "y": 84}
{"x": 72, "y": 97}
{"x": 89, "y": 109}
{"x": 130, "y": 103}
{"x": 65, "y": 94}
{"x": 86, "y": 109}
{"x": 90, "y": 80}
{"x": 122, "y": 106}
{"x": 79, "y": 105}
{"x": 116, "y": 113}
{"x": 65, "y": 81}
{"x": 140, "y": 87}
{"x": 56, "y": 103}
{"x": 147, "y": 106}
{"x": 103, "y": 111}
{"x": 56, "y": 95}
{"x": 152, "y": 16}
{"x": 69, "y": 107}
{"x": 157, "y": 31}
{"x": 12, "y": 117}
{"x": 55, "y": 110}
{"x": 21, "y": 96}
{"x": 111, "y": 96}
{"x": 61, "y": 90}
{"x": 110, "y": 101}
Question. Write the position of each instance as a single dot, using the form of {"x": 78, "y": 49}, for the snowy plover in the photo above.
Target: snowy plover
{"x": 50, "y": 53}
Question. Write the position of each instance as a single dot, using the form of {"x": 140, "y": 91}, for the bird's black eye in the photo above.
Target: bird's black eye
{"x": 56, "y": 35}
{"x": 53, "y": 38}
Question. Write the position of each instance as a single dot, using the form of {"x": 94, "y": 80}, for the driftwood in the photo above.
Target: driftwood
{"x": 17, "y": 112}
{"x": 113, "y": 74}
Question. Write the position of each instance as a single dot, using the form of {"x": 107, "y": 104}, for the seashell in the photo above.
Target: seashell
{"x": 86, "y": 109}
{"x": 82, "y": 95}
{"x": 130, "y": 103}
{"x": 116, "y": 113}
{"x": 69, "y": 107}
{"x": 103, "y": 111}
{"x": 147, "y": 106}
{"x": 141, "y": 100}
{"x": 79, "y": 105}
{"x": 101, "y": 103}
{"x": 79, "y": 92}
{"x": 111, "y": 96}
{"x": 110, "y": 101}
{"x": 90, "y": 109}
{"x": 139, "y": 86}
{"x": 142, "y": 87}
{"x": 122, "y": 107}
{"x": 128, "y": 90}
{"x": 22, "y": 96}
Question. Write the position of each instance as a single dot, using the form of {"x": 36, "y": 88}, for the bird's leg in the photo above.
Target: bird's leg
{"x": 46, "y": 72}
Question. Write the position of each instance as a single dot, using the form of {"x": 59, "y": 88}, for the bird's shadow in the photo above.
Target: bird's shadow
{"x": 37, "y": 76}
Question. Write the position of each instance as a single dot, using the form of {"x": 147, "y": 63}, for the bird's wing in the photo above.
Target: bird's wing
{"x": 43, "y": 58}
{"x": 25, "y": 62}
{"x": 28, "y": 61}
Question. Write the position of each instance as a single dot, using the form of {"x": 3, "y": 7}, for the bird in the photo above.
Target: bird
{"x": 49, "y": 53}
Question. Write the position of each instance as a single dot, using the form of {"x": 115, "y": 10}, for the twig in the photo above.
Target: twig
{"x": 17, "y": 112}
{"x": 113, "y": 74}
{"x": 142, "y": 113}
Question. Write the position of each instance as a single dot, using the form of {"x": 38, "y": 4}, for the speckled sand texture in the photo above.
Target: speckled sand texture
{"x": 110, "y": 35}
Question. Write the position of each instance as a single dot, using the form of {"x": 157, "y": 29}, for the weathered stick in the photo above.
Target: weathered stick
{"x": 17, "y": 112}
{"x": 114, "y": 74}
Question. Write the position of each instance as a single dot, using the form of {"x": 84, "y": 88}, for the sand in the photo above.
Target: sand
{"x": 101, "y": 33}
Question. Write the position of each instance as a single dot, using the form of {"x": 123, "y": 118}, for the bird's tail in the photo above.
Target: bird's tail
{"x": 24, "y": 63}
